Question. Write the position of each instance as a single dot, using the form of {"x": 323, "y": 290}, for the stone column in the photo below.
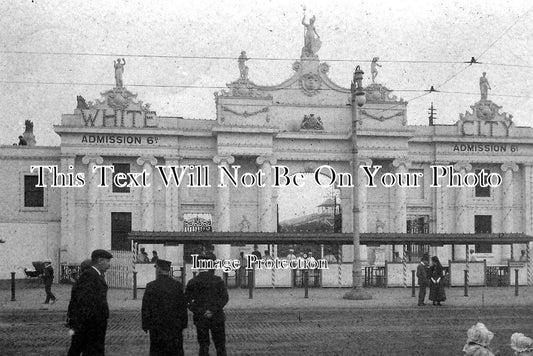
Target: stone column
{"x": 400, "y": 203}
{"x": 461, "y": 216}
{"x": 443, "y": 196}
{"x": 69, "y": 246}
{"x": 265, "y": 195}
{"x": 400, "y": 208}
{"x": 507, "y": 205}
{"x": 528, "y": 214}
{"x": 147, "y": 193}
{"x": 223, "y": 208}
{"x": 363, "y": 211}
{"x": 93, "y": 208}
{"x": 172, "y": 200}
{"x": 172, "y": 221}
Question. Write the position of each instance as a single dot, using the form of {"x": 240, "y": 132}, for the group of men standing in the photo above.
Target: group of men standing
{"x": 164, "y": 310}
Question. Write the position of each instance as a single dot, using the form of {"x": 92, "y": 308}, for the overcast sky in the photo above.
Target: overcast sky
{"x": 354, "y": 31}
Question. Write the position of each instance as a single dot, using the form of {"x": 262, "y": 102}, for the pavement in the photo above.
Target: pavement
{"x": 282, "y": 322}
{"x": 269, "y": 298}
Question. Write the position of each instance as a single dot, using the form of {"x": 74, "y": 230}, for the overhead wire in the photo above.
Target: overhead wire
{"x": 183, "y": 86}
{"x": 169, "y": 56}
{"x": 473, "y": 60}
{"x": 433, "y": 89}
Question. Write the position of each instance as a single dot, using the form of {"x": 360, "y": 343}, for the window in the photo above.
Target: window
{"x": 195, "y": 222}
{"x": 33, "y": 196}
{"x": 482, "y": 192}
{"x": 418, "y": 225}
{"x": 121, "y": 168}
{"x": 483, "y": 225}
{"x": 120, "y": 227}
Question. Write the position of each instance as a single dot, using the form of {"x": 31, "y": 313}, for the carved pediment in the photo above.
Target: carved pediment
{"x": 378, "y": 93}
{"x": 117, "y": 108}
{"x": 242, "y": 87}
{"x": 485, "y": 110}
{"x": 485, "y": 119}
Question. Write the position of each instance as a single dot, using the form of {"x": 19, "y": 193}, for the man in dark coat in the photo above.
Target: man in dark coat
{"x": 48, "y": 278}
{"x": 88, "y": 310}
{"x": 423, "y": 280}
{"x": 164, "y": 312}
{"x": 206, "y": 296}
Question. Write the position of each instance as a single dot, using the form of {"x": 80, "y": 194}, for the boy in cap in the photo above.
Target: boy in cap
{"x": 164, "y": 312}
{"x": 88, "y": 309}
{"x": 206, "y": 296}
{"x": 48, "y": 278}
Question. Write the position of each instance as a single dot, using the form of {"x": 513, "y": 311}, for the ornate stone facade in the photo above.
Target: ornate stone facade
{"x": 258, "y": 128}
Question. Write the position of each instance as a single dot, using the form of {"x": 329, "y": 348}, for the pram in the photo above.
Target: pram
{"x": 37, "y": 271}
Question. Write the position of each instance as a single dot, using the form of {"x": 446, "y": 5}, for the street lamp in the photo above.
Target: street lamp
{"x": 358, "y": 100}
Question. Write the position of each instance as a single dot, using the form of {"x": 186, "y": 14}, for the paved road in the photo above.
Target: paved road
{"x": 320, "y": 331}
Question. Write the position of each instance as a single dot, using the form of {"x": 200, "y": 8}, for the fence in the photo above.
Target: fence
{"x": 120, "y": 274}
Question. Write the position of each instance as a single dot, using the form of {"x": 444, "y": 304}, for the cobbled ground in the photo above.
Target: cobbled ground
{"x": 288, "y": 331}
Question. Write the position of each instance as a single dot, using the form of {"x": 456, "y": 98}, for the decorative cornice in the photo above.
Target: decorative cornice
{"x": 147, "y": 159}
{"x": 363, "y": 161}
{"x": 509, "y": 166}
{"x": 221, "y": 159}
{"x": 462, "y": 165}
{"x": 92, "y": 158}
{"x": 172, "y": 159}
{"x": 245, "y": 113}
{"x": 398, "y": 162}
{"x": 262, "y": 159}
{"x": 381, "y": 118}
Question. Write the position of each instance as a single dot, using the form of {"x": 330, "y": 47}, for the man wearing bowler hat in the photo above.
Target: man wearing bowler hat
{"x": 88, "y": 310}
{"x": 206, "y": 296}
{"x": 164, "y": 312}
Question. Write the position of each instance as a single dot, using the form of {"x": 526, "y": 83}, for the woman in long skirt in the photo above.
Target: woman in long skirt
{"x": 436, "y": 282}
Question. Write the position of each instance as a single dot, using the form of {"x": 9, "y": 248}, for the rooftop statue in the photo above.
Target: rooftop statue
{"x": 119, "y": 72}
{"x": 374, "y": 69}
{"x": 81, "y": 102}
{"x": 484, "y": 86}
{"x": 28, "y": 136}
{"x": 312, "y": 41}
{"x": 243, "y": 68}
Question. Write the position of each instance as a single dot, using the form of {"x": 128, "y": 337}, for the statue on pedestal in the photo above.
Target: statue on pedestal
{"x": 243, "y": 68}
{"x": 484, "y": 86}
{"x": 119, "y": 71}
{"x": 373, "y": 68}
{"x": 312, "y": 44}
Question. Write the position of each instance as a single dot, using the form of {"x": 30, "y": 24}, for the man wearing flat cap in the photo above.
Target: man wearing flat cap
{"x": 88, "y": 310}
{"x": 206, "y": 297}
{"x": 164, "y": 312}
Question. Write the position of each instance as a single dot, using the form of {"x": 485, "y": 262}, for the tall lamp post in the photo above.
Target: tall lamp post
{"x": 358, "y": 100}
